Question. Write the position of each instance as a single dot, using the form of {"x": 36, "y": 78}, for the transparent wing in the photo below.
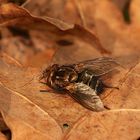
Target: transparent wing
{"x": 86, "y": 96}
{"x": 98, "y": 66}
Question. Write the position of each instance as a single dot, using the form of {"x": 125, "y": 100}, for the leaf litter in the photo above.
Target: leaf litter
{"x": 30, "y": 114}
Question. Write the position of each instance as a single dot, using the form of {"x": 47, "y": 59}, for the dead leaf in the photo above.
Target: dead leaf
{"x": 128, "y": 94}
{"x": 110, "y": 27}
{"x": 115, "y": 124}
{"x": 3, "y": 126}
{"x": 21, "y": 101}
{"x": 9, "y": 59}
{"x": 60, "y": 107}
{"x": 14, "y": 15}
{"x": 53, "y": 8}
{"x": 18, "y": 2}
{"x": 20, "y": 92}
{"x": 39, "y": 34}
{"x": 74, "y": 53}
{"x": 32, "y": 122}
{"x": 121, "y": 4}
{"x": 107, "y": 20}
{"x": 2, "y": 137}
{"x": 17, "y": 47}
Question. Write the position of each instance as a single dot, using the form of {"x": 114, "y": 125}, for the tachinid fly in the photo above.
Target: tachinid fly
{"x": 82, "y": 81}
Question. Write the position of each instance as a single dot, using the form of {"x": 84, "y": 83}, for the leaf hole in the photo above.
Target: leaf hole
{"x": 65, "y": 125}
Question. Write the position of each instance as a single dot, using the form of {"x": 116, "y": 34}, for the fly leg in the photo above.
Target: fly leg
{"x": 45, "y": 90}
{"x": 107, "y": 86}
{"x": 43, "y": 83}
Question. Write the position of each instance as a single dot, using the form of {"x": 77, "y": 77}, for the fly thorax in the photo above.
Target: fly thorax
{"x": 64, "y": 76}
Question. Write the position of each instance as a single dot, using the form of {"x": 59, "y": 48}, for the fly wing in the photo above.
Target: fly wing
{"x": 98, "y": 66}
{"x": 86, "y": 96}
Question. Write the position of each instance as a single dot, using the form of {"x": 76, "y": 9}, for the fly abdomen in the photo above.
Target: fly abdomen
{"x": 88, "y": 78}
{"x": 97, "y": 85}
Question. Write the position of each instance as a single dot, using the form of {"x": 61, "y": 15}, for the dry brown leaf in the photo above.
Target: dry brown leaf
{"x": 128, "y": 94}
{"x": 16, "y": 47}
{"x": 2, "y": 137}
{"x": 20, "y": 92}
{"x": 115, "y": 34}
{"x": 12, "y": 15}
{"x": 62, "y": 108}
{"x": 44, "y": 32}
{"x": 121, "y": 4}
{"x": 4, "y": 130}
{"x": 74, "y": 53}
{"x": 2, "y": 124}
{"x": 53, "y": 8}
{"x": 71, "y": 11}
{"x": 20, "y": 88}
{"x": 110, "y": 125}
{"x": 32, "y": 122}
{"x": 110, "y": 27}
{"x": 18, "y": 2}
